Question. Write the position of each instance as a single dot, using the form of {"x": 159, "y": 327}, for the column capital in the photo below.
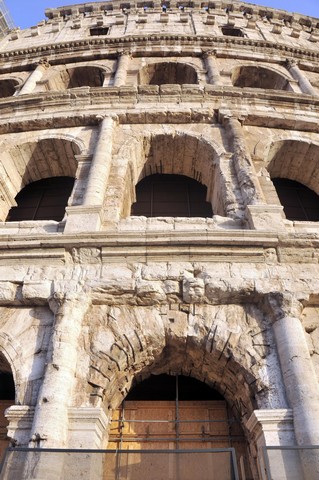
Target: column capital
{"x": 122, "y": 53}
{"x": 72, "y": 297}
{"x": 290, "y": 63}
{"x": 43, "y": 62}
{"x": 209, "y": 53}
{"x": 230, "y": 118}
{"x": 281, "y": 305}
{"x": 100, "y": 118}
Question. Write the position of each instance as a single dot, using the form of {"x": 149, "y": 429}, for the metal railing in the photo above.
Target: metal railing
{"x": 64, "y": 464}
{"x": 291, "y": 462}
{"x": 122, "y": 431}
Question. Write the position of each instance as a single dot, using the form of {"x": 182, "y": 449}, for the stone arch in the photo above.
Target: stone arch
{"x": 260, "y": 76}
{"x": 215, "y": 346}
{"x": 268, "y": 137}
{"x": 35, "y": 160}
{"x": 76, "y": 75}
{"x": 296, "y": 160}
{"x": 167, "y": 72}
{"x": 293, "y": 167}
{"x": 79, "y": 144}
{"x": 193, "y": 157}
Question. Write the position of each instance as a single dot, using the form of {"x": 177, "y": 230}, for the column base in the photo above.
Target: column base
{"x": 83, "y": 219}
{"x": 265, "y": 217}
{"x": 274, "y": 428}
{"x": 20, "y": 418}
{"x": 87, "y": 427}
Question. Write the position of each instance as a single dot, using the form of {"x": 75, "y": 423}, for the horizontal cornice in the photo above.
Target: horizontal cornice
{"x": 110, "y": 46}
{"x": 172, "y": 104}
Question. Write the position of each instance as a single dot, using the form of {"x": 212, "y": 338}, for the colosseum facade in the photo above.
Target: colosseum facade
{"x": 159, "y": 233}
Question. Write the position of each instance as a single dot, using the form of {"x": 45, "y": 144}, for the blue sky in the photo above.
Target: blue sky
{"x": 26, "y": 13}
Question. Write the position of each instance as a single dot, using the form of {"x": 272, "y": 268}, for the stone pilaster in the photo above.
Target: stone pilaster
{"x": 122, "y": 68}
{"x": 87, "y": 427}
{"x": 87, "y": 217}
{"x": 302, "y": 80}
{"x": 273, "y": 428}
{"x": 259, "y": 215}
{"x": 35, "y": 77}
{"x": 299, "y": 376}
{"x": 212, "y": 68}
{"x": 20, "y": 418}
{"x": 50, "y": 425}
{"x": 101, "y": 164}
{"x": 247, "y": 178}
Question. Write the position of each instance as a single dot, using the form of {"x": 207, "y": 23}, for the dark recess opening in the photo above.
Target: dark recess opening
{"x": 166, "y": 195}
{"x": 163, "y": 387}
{"x": 42, "y": 200}
{"x": 99, "y": 31}
{"x": 7, "y": 390}
{"x": 232, "y": 32}
{"x": 299, "y": 202}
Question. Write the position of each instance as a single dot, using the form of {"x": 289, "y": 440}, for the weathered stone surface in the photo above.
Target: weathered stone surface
{"x": 100, "y": 300}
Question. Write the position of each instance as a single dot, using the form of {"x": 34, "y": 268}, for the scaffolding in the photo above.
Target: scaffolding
{"x": 6, "y": 22}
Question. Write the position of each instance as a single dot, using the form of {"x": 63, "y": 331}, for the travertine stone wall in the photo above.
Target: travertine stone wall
{"x": 99, "y": 301}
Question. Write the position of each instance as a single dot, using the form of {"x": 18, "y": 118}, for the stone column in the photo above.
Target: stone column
{"x": 35, "y": 77}
{"x": 212, "y": 68}
{"x": 50, "y": 425}
{"x": 299, "y": 377}
{"x": 87, "y": 217}
{"x": 298, "y": 75}
{"x": 259, "y": 215}
{"x": 247, "y": 178}
{"x": 122, "y": 67}
{"x": 101, "y": 164}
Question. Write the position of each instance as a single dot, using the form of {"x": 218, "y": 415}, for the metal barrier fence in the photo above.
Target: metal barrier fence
{"x": 291, "y": 463}
{"x": 56, "y": 464}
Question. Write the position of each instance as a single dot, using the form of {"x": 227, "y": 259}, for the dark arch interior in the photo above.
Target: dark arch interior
{"x": 165, "y": 387}
{"x": 42, "y": 200}
{"x": 85, "y": 77}
{"x": 166, "y": 195}
{"x": 168, "y": 73}
{"x": 299, "y": 202}
{"x": 7, "y": 87}
{"x": 259, "y": 77}
{"x": 7, "y": 390}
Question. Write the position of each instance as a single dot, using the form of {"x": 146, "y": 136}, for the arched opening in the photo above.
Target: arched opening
{"x": 176, "y": 160}
{"x": 299, "y": 202}
{"x": 27, "y": 163}
{"x": 177, "y": 412}
{"x": 259, "y": 77}
{"x": 293, "y": 166}
{"x": 84, "y": 77}
{"x": 8, "y": 87}
{"x": 168, "y": 195}
{"x": 168, "y": 73}
{"x": 7, "y": 398}
{"x": 42, "y": 200}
